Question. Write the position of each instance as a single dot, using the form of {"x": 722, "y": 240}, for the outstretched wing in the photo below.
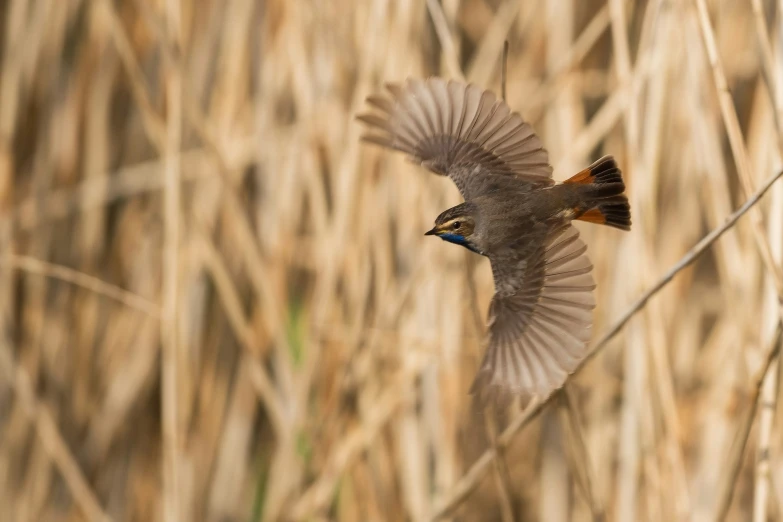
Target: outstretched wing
{"x": 458, "y": 130}
{"x": 539, "y": 318}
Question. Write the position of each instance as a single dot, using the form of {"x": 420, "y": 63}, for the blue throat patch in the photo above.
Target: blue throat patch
{"x": 459, "y": 240}
{"x": 454, "y": 238}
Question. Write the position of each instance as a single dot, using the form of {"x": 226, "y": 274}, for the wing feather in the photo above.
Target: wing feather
{"x": 458, "y": 130}
{"x": 540, "y": 318}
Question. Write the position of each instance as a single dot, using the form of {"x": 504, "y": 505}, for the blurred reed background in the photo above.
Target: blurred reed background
{"x": 218, "y": 305}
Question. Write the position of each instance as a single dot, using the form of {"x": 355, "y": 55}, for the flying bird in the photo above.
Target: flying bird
{"x": 515, "y": 214}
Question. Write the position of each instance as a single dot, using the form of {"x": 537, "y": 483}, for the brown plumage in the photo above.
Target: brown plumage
{"x": 514, "y": 213}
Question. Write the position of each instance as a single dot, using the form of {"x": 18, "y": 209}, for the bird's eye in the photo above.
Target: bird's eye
{"x": 456, "y": 225}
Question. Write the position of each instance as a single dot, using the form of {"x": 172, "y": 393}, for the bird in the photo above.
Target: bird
{"x": 515, "y": 214}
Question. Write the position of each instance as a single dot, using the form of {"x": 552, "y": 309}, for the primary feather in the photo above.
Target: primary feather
{"x": 539, "y": 318}
{"x": 454, "y": 129}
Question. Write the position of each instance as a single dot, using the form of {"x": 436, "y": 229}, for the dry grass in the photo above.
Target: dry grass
{"x": 217, "y": 305}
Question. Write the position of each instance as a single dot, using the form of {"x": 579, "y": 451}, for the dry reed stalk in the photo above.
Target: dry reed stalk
{"x": 171, "y": 373}
{"x": 89, "y": 283}
{"x": 629, "y": 451}
{"x": 656, "y": 29}
{"x": 548, "y": 90}
{"x": 582, "y": 457}
{"x": 734, "y": 460}
{"x": 446, "y": 39}
{"x": 485, "y": 61}
{"x": 233, "y": 307}
{"x": 51, "y": 439}
{"x": 773, "y": 79}
{"x": 771, "y": 72}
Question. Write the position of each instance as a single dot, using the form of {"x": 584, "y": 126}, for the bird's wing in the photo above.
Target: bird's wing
{"x": 457, "y": 130}
{"x": 539, "y": 318}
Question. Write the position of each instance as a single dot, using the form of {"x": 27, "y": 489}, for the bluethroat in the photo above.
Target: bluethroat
{"x": 515, "y": 214}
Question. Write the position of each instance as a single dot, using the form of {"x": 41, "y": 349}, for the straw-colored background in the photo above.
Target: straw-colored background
{"x": 218, "y": 305}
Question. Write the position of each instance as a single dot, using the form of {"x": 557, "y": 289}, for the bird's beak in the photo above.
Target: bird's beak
{"x": 431, "y": 232}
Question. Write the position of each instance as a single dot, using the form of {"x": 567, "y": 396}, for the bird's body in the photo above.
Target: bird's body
{"x": 510, "y": 212}
{"x": 514, "y": 214}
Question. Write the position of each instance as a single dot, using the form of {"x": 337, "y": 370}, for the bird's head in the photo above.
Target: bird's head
{"x": 457, "y": 225}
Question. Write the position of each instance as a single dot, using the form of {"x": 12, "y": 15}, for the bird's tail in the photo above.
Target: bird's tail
{"x": 600, "y": 190}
